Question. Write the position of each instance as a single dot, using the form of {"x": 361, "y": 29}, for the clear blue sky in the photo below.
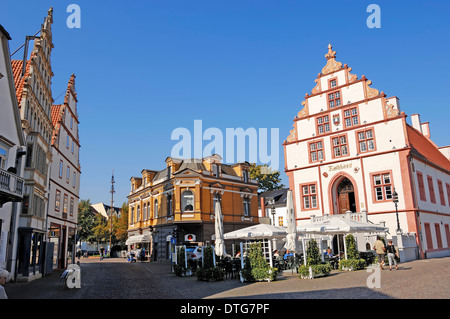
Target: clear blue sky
{"x": 147, "y": 67}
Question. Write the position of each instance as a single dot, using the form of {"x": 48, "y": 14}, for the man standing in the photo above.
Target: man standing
{"x": 380, "y": 249}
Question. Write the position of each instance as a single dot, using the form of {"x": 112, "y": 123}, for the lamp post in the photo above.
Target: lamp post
{"x": 271, "y": 201}
{"x": 395, "y": 200}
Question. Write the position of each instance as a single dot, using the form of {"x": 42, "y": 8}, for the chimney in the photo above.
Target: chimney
{"x": 415, "y": 119}
{"x": 426, "y": 129}
{"x": 263, "y": 207}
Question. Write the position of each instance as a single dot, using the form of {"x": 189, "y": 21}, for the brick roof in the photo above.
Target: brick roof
{"x": 19, "y": 81}
{"x": 424, "y": 148}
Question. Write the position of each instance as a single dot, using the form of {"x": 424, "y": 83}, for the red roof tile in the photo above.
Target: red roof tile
{"x": 19, "y": 81}
{"x": 423, "y": 148}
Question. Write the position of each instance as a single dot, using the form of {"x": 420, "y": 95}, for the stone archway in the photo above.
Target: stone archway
{"x": 343, "y": 194}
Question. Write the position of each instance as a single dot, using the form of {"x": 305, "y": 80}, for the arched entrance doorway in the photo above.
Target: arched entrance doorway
{"x": 346, "y": 196}
{"x": 343, "y": 194}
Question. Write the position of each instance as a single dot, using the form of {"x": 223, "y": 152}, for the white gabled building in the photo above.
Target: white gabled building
{"x": 351, "y": 146}
{"x": 12, "y": 149}
{"x": 64, "y": 178}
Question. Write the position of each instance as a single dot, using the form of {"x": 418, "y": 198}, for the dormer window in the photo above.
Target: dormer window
{"x": 245, "y": 176}
{"x": 169, "y": 171}
{"x": 215, "y": 170}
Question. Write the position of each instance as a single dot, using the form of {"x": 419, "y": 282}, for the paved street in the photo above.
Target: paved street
{"x": 117, "y": 279}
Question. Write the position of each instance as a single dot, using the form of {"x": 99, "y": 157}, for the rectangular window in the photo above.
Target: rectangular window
{"x": 57, "y": 200}
{"x": 431, "y": 189}
{"x": 447, "y": 186}
{"x": 3, "y": 157}
{"x": 339, "y": 144}
{"x": 74, "y": 179}
{"x": 323, "y": 124}
{"x": 428, "y": 235}
{"x": 421, "y": 186}
{"x": 309, "y": 196}
{"x": 246, "y": 206}
{"x": 316, "y": 151}
{"x": 350, "y": 117}
{"x": 334, "y": 99}
{"x": 68, "y": 174}
{"x": 366, "y": 140}
{"x": 437, "y": 228}
{"x": 66, "y": 198}
{"x": 72, "y": 146}
{"x": 60, "y": 169}
{"x": 67, "y": 141}
{"x": 447, "y": 234}
{"x": 332, "y": 83}
{"x": 280, "y": 221}
{"x": 382, "y": 186}
{"x": 71, "y": 206}
{"x": 441, "y": 192}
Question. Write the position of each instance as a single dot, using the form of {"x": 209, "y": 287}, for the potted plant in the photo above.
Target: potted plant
{"x": 209, "y": 272}
{"x": 256, "y": 267}
{"x": 314, "y": 267}
{"x": 353, "y": 261}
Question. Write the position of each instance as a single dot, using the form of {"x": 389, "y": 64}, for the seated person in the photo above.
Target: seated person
{"x": 287, "y": 255}
{"x": 329, "y": 253}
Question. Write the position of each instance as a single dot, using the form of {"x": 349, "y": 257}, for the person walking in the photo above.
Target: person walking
{"x": 102, "y": 250}
{"x": 392, "y": 252}
{"x": 4, "y": 274}
{"x": 380, "y": 250}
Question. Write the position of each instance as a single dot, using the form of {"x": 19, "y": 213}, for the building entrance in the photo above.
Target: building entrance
{"x": 345, "y": 196}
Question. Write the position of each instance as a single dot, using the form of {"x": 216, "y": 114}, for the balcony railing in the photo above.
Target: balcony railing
{"x": 11, "y": 187}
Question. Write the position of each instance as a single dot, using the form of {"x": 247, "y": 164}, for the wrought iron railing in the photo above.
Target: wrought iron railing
{"x": 11, "y": 184}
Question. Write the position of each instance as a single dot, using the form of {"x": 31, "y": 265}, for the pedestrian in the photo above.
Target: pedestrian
{"x": 143, "y": 254}
{"x": 380, "y": 250}
{"x": 4, "y": 274}
{"x": 101, "y": 252}
{"x": 392, "y": 252}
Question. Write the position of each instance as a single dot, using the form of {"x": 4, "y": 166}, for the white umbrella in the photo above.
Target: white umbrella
{"x": 219, "y": 247}
{"x": 291, "y": 238}
{"x": 338, "y": 224}
{"x": 258, "y": 231}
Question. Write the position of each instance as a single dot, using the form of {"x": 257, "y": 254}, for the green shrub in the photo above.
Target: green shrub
{"x": 209, "y": 272}
{"x": 256, "y": 267}
{"x": 312, "y": 253}
{"x": 352, "y": 264}
{"x": 317, "y": 270}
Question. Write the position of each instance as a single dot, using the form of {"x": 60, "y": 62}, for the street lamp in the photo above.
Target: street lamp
{"x": 271, "y": 201}
{"x": 395, "y": 200}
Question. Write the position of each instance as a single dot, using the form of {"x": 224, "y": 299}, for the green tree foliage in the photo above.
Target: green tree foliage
{"x": 312, "y": 253}
{"x": 120, "y": 225}
{"x": 86, "y": 220}
{"x": 267, "y": 178}
{"x": 352, "y": 251}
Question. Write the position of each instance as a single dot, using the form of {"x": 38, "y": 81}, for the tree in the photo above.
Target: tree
{"x": 120, "y": 225}
{"x": 101, "y": 228}
{"x": 267, "y": 178}
{"x": 86, "y": 220}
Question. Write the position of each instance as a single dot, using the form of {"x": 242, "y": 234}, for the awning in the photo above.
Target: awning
{"x": 138, "y": 239}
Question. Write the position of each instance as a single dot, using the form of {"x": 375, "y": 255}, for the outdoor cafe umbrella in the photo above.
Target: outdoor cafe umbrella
{"x": 291, "y": 238}
{"x": 258, "y": 231}
{"x": 219, "y": 247}
{"x": 339, "y": 224}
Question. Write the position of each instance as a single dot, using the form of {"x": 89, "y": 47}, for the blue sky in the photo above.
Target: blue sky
{"x": 145, "y": 68}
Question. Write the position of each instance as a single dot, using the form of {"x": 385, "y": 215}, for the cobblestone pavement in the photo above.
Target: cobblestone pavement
{"x": 117, "y": 279}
